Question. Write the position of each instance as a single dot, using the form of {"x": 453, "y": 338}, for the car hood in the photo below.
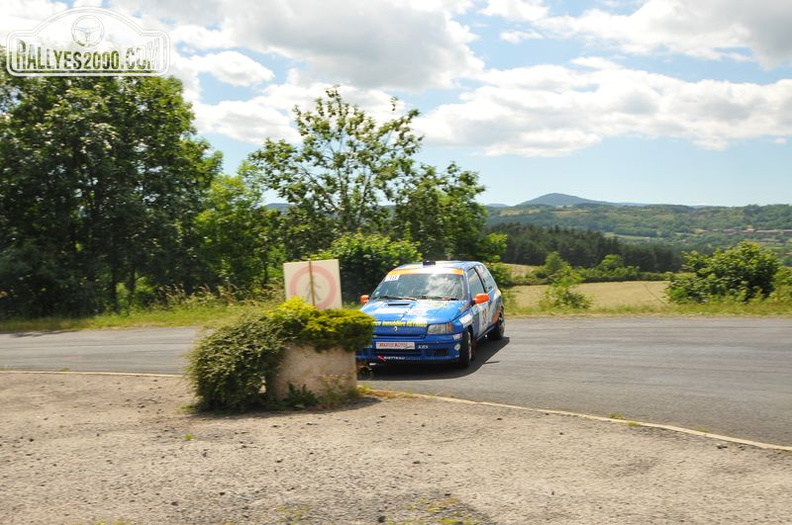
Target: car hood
{"x": 408, "y": 314}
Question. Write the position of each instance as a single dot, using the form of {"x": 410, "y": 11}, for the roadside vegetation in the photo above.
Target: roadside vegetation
{"x": 114, "y": 213}
{"x": 715, "y": 285}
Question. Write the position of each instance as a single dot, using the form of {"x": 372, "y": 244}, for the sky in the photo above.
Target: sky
{"x": 642, "y": 101}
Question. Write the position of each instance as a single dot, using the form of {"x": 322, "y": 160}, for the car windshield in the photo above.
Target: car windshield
{"x": 439, "y": 286}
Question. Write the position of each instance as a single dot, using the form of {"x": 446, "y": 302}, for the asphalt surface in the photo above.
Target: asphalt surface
{"x": 730, "y": 376}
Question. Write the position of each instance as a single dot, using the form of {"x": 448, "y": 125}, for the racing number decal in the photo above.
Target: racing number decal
{"x": 483, "y": 318}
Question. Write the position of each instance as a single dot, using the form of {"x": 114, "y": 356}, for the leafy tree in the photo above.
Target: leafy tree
{"x": 365, "y": 259}
{"x": 240, "y": 237}
{"x": 743, "y": 272}
{"x": 346, "y": 171}
{"x": 438, "y": 210}
{"x": 563, "y": 278}
{"x": 554, "y": 268}
{"x": 338, "y": 177}
{"x": 100, "y": 179}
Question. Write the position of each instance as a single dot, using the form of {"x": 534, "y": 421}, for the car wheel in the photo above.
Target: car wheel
{"x": 465, "y": 350}
{"x": 500, "y": 328}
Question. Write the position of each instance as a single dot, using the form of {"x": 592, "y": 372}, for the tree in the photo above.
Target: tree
{"x": 743, "y": 272}
{"x": 346, "y": 171}
{"x": 365, "y": 259}
{"x": 100, "y": 180}
{"x": 563, "y": 279}
{"x": 340, "y": 175}
{"x": 240, "y": 236}
{"x": 438, "y": 210}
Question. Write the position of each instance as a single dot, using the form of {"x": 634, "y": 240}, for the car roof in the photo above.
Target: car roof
{"x": 439, "y": 265}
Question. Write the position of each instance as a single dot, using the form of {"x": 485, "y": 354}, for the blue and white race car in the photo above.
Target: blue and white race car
{"x": 433, "y": 312}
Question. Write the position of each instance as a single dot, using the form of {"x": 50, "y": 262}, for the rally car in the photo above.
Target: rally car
{"x": 433, "y": 312}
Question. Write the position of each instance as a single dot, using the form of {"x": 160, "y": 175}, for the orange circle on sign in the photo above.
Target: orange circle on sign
{"x": 328, "y": 301}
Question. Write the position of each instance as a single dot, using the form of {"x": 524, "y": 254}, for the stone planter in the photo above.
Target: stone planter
{"x": 327, "y": 373}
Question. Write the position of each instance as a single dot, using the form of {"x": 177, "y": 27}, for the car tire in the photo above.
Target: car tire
{"x": 500, "y": 327}
{"x": 465, "y": 350}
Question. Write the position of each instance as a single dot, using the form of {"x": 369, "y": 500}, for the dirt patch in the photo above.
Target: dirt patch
{"x": 88, "y": 449}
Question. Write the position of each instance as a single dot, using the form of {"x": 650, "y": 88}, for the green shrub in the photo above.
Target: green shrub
{"x": 228, "y": 367}
{"x": 743, "y": 273}
{"x": 502, "y": 274}
{"x": 302, "y": 324}
{"x": 782, "y": 286}
{"x": 562, "y": 295}
{"x": 563, "y": 278}
{"x": 365, "y": 259}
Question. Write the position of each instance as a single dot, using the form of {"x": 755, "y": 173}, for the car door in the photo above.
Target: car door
{"x": 479, "y": 311}
{"x": 495, "y": 298}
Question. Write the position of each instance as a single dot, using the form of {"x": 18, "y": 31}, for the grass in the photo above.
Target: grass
{"x": 636, "y": 294}
{"x": 636, "y": 297}
{"x": 625, "y": 298}
{"x": 204, "y": 315}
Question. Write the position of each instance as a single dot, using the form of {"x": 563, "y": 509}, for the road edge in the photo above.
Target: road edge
{"x": 629, "y": 422}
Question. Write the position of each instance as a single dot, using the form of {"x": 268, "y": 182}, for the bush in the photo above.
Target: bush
{"x": 563, "y": 278}
{"x": 502, "y": 274}
{"x": 228, "y": 367}
{"x": 560, "y": 296}
{"x": 611, "y": 269}
{"x": 782, "y": 286}
{"x": 365, "y": 259}
{"x": 743, "y": 273}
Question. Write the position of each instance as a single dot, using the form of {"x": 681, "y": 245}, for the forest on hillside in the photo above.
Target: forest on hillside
{"x": 529, "y": 244}
{"x": 688, "y": 228}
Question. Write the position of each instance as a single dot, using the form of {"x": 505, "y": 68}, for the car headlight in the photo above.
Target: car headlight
{"x": 445, "y": 328}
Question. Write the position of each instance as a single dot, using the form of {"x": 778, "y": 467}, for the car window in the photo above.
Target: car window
{"x": 486, "y": 276}
{"x": 474, "y": 282}
{"x": 421, "y": 286}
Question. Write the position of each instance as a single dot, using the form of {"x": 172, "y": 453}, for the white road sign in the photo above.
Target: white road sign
{"x": 317, "y": 282}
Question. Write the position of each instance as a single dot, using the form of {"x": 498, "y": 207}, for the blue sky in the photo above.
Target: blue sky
{"x": 653, "y": 101}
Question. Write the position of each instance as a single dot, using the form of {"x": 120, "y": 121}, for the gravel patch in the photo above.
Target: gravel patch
{"x": 90, "y": 449}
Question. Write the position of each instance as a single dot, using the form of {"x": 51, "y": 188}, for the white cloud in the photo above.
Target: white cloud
{"x": 370, "y": 44}
{"x": 515, "y": 37}
{"x": 232, "y": 68}
{"x": 516, "y": 9}
{"x": 704, "y": 29}
{"x": 25, "y": 15}
{"x": 552, "y": 110}
{"x": 248, "y": 121}
{"x": 199, "y": 37}
{"x": 270, "y": 115}
{"x": 673, "y": 26}
{"x": 406, "y": 44}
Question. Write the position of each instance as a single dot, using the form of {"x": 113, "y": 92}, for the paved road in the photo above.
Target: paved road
{"x": 150, "y": 350}
{"x": 726, "y": 376}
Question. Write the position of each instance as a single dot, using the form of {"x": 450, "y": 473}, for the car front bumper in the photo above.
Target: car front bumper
{"x": 436, "y": 348}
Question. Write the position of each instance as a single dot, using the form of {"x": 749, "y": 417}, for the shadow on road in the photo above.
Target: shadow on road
{"x": 394, "y": 371}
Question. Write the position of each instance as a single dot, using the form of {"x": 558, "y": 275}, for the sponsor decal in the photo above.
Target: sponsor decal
{"x": 401, "y": 323}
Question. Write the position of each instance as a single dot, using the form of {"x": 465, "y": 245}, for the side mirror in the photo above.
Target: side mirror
{"x": 364, "y": 299}
{"x": 481, "y": 298}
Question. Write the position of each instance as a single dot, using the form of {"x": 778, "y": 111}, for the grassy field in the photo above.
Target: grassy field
{"x": 637, "y": 294}
{"x": 637, "y": 297}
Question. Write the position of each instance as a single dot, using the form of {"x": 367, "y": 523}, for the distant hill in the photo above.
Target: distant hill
{"x": 688, "y": 227}
{"x": 560, "y": 199}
